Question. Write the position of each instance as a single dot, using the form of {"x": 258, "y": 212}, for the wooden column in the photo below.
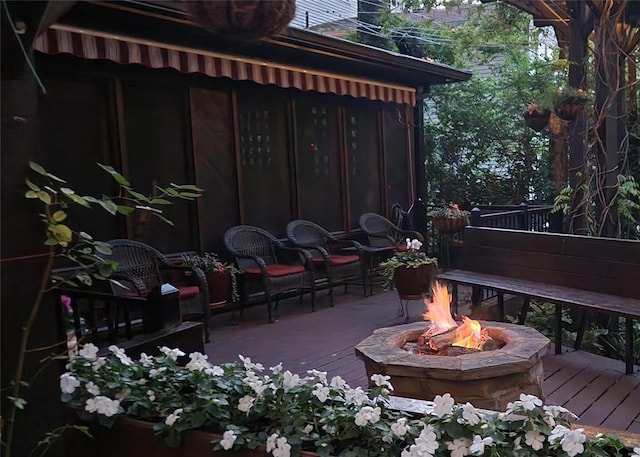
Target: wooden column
{"x": 419, "y": 146}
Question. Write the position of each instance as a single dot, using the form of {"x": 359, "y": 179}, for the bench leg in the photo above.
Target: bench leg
{"x": 582, "y": 327}
{"x": 524, "y": 311}
{"x": 476, "y": 295}
{"x": 558, "y": 329}
{"x": 501, "y": 306}
{"x": 628, "y": 346}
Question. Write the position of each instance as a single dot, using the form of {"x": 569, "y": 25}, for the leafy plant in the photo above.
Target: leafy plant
{"x": 210, "y": 262}
{"x": 413, "y": 257}
{"x": 290, "y": 413}
{"x": 449, "y": 211}
{"x": 77, "y": 247}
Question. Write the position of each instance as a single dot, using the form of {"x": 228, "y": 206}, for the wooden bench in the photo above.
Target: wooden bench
{"x": 588, "y": 273}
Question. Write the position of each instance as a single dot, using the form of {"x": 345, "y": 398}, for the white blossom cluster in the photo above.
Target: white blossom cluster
{"x": 311, "y": 412}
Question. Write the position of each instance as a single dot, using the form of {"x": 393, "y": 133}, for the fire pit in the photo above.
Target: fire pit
{"x": 489, "y": 376}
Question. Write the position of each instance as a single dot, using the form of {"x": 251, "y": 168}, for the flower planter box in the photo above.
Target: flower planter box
{"x": 136, "y": 438}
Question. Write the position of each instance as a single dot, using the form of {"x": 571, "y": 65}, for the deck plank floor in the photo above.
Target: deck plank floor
{"x": 594, "y": 387}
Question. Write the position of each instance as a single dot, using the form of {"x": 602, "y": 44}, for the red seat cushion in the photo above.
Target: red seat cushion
{"x": 276, "y": 270}
{"x": 188, "y": 292}
{"x": 337, "y": 260}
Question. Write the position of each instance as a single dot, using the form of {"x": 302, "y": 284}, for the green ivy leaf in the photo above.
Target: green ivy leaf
{"x": 59, "y": 216}
{"x": 138, "y": 195}
{"x": 31, "y": 185}
{"x": 109, "y": 206}
{"x": 102, "y": 248}
{"x": 125, "y": 210}
{"x": 31, "y": 194}
{"x": 44, "y": 197}
{"x": 18, "y": 402}
{"x": 117, "y": 176}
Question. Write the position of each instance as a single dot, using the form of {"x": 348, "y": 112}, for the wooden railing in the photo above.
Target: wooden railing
{"x": 532, "y": 218}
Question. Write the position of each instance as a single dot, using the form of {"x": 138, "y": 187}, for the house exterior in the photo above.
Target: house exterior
{"x": 295, "y": 126}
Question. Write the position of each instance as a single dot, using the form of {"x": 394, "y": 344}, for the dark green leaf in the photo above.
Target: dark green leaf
{"x": 31, "y": 185}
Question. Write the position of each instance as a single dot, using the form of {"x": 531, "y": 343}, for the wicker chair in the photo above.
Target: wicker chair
{"x": 142, "y": 268}
{"x": 269, "y": 265}
{"x": 343, "y": 261}
{"x": 383, "y": 233}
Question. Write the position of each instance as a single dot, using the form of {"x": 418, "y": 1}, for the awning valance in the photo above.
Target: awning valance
{"x": 92, "y": 44}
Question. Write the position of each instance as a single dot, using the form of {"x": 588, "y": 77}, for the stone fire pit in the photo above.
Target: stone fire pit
{"x": 488, "y": 379}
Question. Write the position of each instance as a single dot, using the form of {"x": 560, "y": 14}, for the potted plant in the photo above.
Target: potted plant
{"x": 410, "y": 270}
{"x": 449, "y": 219}
{"x": 569, "y": 102}
{"x": 222, "y": 278}
{"x": 204, "y": 409}
{"x": 536, "y": 117}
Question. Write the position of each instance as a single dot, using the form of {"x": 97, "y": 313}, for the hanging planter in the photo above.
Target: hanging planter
{"x": 569, "y": 103}
{"x": 247, "y": 20}
{"x": 535, "y": 118}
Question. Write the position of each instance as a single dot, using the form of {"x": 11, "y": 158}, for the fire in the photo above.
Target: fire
{"x": 468, "y": 334}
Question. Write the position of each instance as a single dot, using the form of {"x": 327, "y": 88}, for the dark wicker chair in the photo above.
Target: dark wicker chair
{"x": 270, "y": 265}
{"x": 343, "y": 261}
{"x": 383, "y": 233}
{"x": 142, "y": 268}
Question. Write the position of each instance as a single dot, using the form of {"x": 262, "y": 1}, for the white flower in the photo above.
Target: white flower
{"x": 198, "y": 362}
{"x": 99, "y": 363}
{"x": 290, "y": 380}
{"x": 338, "y": 383}
{"x": 400, "y": 428}
{"x": 572, "y": 442}
{"x": 470, "y": 414}
{"x": 228, "y": 438}
{"x": 558, "y": 433}
{"x": 367, "y": 415}
{"x": 92, "y": 388}
{"x": 356, "y": 396}
{"x": 427, "y": 442}
{"x": 120, "y": 354}
{"x": 68, "y": 383}
{"x": 102, "y": 405}
{"x": 321, "y": 375}
{"x": 276, "y": 369}
{"x": 308, "y": 428}
{"x": 89, "y": 351}
{"x": 382, "y": 381}
{"x": 530, "y": 402}
{"x": 271, "y": 442}
{"x": 153, "y": 373}
{"x": 535, "y": 439}
{"x": 172, "y": 354}
{"x": 459, "y": 447}
{"x": 124, "y": 393}
{"x": 151, "y": 395}
{"x": 283, "y": 449}
{"x": 479, "y": 443}
{"x": 443, "y": 405}
{"x": 249, "y": 365}
{"x": 636, "y": 452}
{"x": 246, "y": 403}
{"x": 173, "y": 417}
{"x": 214, "y": 371}
{"x": 146, "y": 360}
{"x": 321, "y": 392}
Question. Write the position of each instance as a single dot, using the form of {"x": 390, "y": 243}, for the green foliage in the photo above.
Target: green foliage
{"x": 210, "y": 262}
{"x": 55, "y": 198}
{"x": 413, "y": 257}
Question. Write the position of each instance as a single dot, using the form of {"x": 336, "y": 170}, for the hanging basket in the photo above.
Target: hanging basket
{"x": 538, "y": 120}
{"x": 414, "y": 282}
{"x": 247, "y": 20}
{"x": 569, "y": 110}
{"x": 450, "y": 225}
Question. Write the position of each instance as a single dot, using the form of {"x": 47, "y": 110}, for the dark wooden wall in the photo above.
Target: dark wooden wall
{"x": 264, "y": 155}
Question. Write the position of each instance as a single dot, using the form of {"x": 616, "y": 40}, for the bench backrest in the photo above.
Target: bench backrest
{"x": 605, "y": 265}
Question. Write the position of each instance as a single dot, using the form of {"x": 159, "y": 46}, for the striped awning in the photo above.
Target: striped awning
{"x": 92, "y": 44}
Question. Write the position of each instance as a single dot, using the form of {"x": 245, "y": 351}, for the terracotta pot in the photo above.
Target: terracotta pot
{"x": 242, "y": 19}
{"x": 450, "y": 225}
{"x": 219, "y": 284}
{"x": 135, "y": 438}
{"x": 414, "y": 282}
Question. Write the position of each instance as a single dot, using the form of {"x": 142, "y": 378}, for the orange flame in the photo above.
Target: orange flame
{"x": 469, "y": 334}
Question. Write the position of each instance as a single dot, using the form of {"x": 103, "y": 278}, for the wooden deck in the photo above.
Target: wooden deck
{"x": 593, "y": 387}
